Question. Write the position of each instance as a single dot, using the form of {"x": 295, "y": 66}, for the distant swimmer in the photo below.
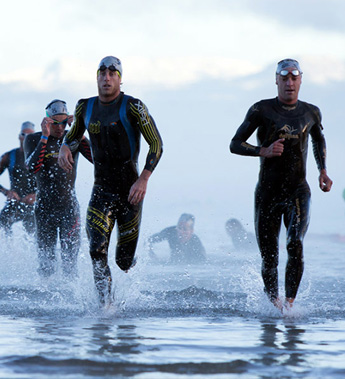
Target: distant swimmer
{"x": 115, "y": 123}
{"x": 185, "y": 246}
{"x": 57, "y": 207}
{"x": 283, "y": 126}
{"x": 20, "y": 198}
{"x": 241, "y": 239}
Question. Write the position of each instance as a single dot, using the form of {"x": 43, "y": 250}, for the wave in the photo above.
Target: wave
{"x": 191, "y": 301}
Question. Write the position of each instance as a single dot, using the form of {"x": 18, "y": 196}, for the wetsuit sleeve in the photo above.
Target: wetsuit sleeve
{"x": 85, "y": 150}
{"x": 161, "y": 236}
{"x": 139, "y": 112}
{"x": 239, "y": 143}
{"x": 318, "y": 141}
{"x": 75, "y": 134}
{"x": 4, "y": 163}
{"x": 34, "y": 151}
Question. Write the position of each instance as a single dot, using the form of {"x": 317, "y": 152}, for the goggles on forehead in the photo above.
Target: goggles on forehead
{"x": 111, "y": 67}
{"x": 292, "y": 72}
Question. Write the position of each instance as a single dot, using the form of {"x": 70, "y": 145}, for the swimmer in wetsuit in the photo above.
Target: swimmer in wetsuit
{"x": 19, "y": 205}
{"x": 56, "y": 207}
{"x": 185, "y": 246}
{"x": 115, "y": 122}
{"x": 283, "y": 126}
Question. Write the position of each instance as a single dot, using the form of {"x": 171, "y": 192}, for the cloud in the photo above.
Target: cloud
{"x": 145, "y": 73}
{"x": 162, "y": 44}
{"x": 318, "y": 14}
{"x": 323, "y": 69}
{"x": 169, "y": 72}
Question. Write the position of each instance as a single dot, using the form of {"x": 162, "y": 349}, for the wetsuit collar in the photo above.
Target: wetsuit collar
{"x": 116, "y": 100}
{"x": 287, "y": 107}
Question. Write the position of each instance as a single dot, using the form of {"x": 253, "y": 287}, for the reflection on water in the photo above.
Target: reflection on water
{"x": 170, "y": 322}
{"x": 114, "y": 341}
{"x": 180, "y": 347}
{"x": 281, "y": 344}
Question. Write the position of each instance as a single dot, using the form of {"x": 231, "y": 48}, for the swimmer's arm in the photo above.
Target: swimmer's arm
{"x": 85, "y": 149}
{"x": 4, "y": 160}
{"x": 34, "y": 151}
{"x": 239, "y": 144}
{"x": 319, "y": 150}
{"x": 72, "y": 139}
{"x": 148, "y": 129}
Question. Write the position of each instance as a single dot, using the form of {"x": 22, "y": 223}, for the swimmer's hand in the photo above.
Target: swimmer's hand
{"x": 274, "y": 150}
{"x": 138, "y": 189}
{"x": 65, "y": 159}
{"x": 325, "y": 182}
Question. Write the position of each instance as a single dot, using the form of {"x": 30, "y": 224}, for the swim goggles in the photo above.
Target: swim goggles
{"x": 64, "y": 122}
{"x": 111, "y": 63}
{"x": 292, "y": 72}
{"x": 111, "y": 68}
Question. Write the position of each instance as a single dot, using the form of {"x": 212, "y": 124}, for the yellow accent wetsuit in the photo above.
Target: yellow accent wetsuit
{"x": 114, "y": 130}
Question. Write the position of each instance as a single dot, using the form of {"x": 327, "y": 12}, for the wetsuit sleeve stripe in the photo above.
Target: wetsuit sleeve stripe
{"x": 150, "y": 132}
{"x": 40, "y": 160}
{"x": 148, "y": 128}
{"x": 86, "y": 150}
{"x": 78, "y": 127}
{"x": 34, "y": 150}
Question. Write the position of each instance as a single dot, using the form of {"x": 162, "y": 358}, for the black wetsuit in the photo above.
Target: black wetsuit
{"x": 282, "y": 190}
{"x": 56, "y": 207}
{"x": 23, "y": 183}
{"x": 191, "y": 251}
{"x": 114, "y": 129}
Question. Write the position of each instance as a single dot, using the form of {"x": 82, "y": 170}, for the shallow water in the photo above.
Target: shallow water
{"x": 200, "y": 321}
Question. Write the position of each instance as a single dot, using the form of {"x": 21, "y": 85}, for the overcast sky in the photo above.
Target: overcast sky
{"x": 167, "y": 43}
{"x": 197, "y": 64}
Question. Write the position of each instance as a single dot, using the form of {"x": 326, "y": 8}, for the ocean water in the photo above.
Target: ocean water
{"x": 196, "y": 321}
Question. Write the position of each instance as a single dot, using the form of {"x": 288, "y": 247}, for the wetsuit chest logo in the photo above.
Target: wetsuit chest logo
{"x": 288, "y": 132}
{"x": 53, "y": 154}
{"x": 95, "y": 128}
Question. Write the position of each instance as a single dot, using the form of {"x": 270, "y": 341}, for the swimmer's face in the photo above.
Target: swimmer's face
{"x": 185, "y": 230}
{"x": 24, "y": 133}
{"x": 57, "y": 128}
{"x": 108, "y": 84}
{"x": 288, "y": 86}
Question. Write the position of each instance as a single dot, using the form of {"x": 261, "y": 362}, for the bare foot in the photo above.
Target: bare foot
{"x": 289, "y": 302}
{"x": 278, "y": 303}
